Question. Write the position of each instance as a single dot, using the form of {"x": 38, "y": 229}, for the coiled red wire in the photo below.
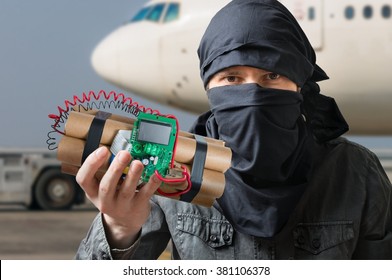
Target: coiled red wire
{"x": 129, "y": 102}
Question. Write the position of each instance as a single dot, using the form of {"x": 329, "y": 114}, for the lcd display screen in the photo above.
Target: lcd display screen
{"x": 154, "y": 132}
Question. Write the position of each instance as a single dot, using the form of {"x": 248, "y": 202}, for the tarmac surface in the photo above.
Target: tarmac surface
{"x": 42, "y": 235}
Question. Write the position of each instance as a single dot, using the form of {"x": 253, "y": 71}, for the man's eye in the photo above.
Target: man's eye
{"x": 273, "y": 76}
{"x": 231, "y": 79}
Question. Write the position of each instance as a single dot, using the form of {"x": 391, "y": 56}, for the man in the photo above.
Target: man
{"x": 295, "y": 190}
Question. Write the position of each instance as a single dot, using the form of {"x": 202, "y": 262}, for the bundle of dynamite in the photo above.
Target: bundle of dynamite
{"x": 206, "y": 159}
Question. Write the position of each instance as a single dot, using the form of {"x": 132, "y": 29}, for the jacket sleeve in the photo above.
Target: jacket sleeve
{"x": 375, "y": 238}
{"x": 94, "y": 246}
{"x": 154, "y": 237}
{"x": 150, "y": 244}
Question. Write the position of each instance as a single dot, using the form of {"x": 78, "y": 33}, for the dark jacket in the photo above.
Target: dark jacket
{"x": 345, "y": 213}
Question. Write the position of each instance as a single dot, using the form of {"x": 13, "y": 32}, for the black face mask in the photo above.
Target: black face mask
{"x": 267, "y": 134}
{"x": 270, "y": 141}
{"x": 264, "y": 34}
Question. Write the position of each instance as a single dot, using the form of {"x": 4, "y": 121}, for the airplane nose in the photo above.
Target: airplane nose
{"x": 130, "y": 60}
{"x": 104, "y": 60}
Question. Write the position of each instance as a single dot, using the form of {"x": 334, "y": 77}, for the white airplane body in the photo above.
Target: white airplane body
{"x": 154, "y": 55}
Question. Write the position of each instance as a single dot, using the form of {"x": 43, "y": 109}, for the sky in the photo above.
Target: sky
{"x": 45, "y": 50}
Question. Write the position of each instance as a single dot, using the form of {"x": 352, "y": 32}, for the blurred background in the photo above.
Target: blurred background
{"x": 45, "y": 51}
{"x": 45, "y": 54}
{"x": 45, "y": 58}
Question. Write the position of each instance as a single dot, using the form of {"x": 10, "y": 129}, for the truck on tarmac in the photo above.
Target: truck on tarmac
{"x": 33, "y": 178}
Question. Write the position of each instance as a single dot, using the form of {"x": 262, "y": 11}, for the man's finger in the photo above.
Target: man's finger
{"x": 86, "y": 174}
{"x": 150, "y": 188}
{"x": 109, "y": 182}
{"x": 128, "y": 187}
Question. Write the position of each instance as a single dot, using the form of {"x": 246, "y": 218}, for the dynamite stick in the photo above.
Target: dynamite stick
{"x": 213, "y": 183}
{"x": 114, "y": 117}
{"x": 81, "y": 113}
{"x": 78, "y": 125}
{"x": 200, "y": 199}
{"x": 166, "y": 188}
{"x": 203, "y": 198}
{"x": 151, "y": 137}
{"x": 70, "y": 152}
{"x": 218, "y": 157}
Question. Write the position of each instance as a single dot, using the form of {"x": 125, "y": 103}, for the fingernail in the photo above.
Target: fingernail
{"x": 123, "y": 157}
{"x": 155, "y": 179}
{"x": 100, "y": 152}
{"x": 135, "y": 167}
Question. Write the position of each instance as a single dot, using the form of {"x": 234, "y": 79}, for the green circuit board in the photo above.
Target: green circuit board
{"x": 153, "y": 139}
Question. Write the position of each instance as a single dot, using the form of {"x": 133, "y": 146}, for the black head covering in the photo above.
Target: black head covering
{"x": 264, "y": 127}
{"x": 258, "y": 33}
{"x": 264, "y": 34}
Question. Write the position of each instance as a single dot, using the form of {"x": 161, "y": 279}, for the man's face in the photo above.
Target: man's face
{"x": 237, "y": 75}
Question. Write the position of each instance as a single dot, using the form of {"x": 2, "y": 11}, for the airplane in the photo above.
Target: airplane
{"x": 154, "y": 55}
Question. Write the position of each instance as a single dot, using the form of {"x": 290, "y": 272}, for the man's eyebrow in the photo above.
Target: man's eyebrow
{"x": 230, "y": 72}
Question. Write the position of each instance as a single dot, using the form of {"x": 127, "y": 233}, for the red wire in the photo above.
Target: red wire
{"x": 186, "y": 178}
{"x": 185, "y": 172}
{"x": 87, "y": 97}
{"x": 175, "y": 142}
{"x": 76, "y": 100}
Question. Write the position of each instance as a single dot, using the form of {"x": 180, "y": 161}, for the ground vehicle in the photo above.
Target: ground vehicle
{"x": 32, "y": 177}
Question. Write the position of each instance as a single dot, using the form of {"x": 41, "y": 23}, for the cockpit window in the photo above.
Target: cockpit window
{"x": 141, "y": 14}
{"x": 386, "y": 11}
{"x": 312, "y": 13}
{"x": 349, "y": 12}
{"x": 156, "y": 12}
{"x": 172, "y": 12}
{"x": 368, "y": 12}
{"x": 161, "y": 12}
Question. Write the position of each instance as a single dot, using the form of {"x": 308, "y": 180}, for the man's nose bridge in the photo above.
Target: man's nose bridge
{"x": 252, "y": 79}
{"x": 255, "y": 77}
{"x": 255, "y": 81}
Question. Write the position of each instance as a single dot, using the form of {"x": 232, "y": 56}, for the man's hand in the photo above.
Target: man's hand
{"x": 124, "y": 208}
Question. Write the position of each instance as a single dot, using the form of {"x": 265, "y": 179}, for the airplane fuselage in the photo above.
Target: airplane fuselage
{"x": 158, "y": 59}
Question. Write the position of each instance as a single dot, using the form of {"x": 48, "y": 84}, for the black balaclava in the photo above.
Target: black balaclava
{"x": 262, "y": 34}
{"x": 270, "y": 140}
